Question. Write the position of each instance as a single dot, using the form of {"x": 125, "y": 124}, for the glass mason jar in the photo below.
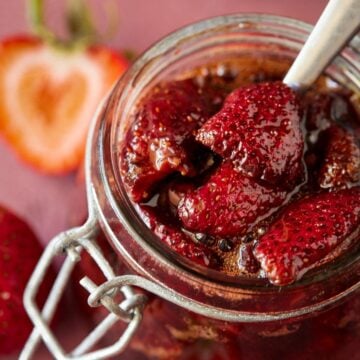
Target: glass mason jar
{"x": 199, "y": 313}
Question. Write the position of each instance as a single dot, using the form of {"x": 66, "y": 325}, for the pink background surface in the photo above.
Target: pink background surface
{"x": 51, "y": 204}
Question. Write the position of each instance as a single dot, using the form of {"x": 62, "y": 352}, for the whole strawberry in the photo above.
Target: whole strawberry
{"x": 19, "y": 253}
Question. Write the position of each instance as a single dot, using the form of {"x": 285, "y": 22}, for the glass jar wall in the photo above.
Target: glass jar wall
{"x": 209, "y": 315}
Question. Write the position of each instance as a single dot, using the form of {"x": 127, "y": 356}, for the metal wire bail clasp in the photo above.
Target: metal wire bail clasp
{"x": 71, "y": 243}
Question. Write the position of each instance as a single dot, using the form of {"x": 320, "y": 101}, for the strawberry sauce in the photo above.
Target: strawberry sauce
{"x": 236, "y": 172}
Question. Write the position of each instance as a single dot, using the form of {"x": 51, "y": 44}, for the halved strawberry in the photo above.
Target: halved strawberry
{"x": 341, "y": 163}
{"x": 228, "y": 204}
{"x": 161, "y": 138}
{"x": 164, "y": 228}
{"x": 307, "y": 232}
{"x": 258, "y": 129}
{"x": 48, "y": 98}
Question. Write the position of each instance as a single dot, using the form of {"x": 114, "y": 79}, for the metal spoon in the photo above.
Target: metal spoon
{"x": 337, "y": 24}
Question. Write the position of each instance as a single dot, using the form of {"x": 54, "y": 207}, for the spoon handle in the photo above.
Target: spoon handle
{"x": 336, "y": 25}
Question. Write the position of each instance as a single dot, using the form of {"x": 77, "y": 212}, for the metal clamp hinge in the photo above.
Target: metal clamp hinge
{"x": 71, "y": 243}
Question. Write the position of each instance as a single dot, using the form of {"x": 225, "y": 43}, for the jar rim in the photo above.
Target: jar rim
{"x": 129, "y": 82}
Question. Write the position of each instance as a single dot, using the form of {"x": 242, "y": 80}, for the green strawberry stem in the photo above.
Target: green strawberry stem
{"x": 79, "y": 21}
{"x": 80, "y": 25}
{"x": 36, "y": 19}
